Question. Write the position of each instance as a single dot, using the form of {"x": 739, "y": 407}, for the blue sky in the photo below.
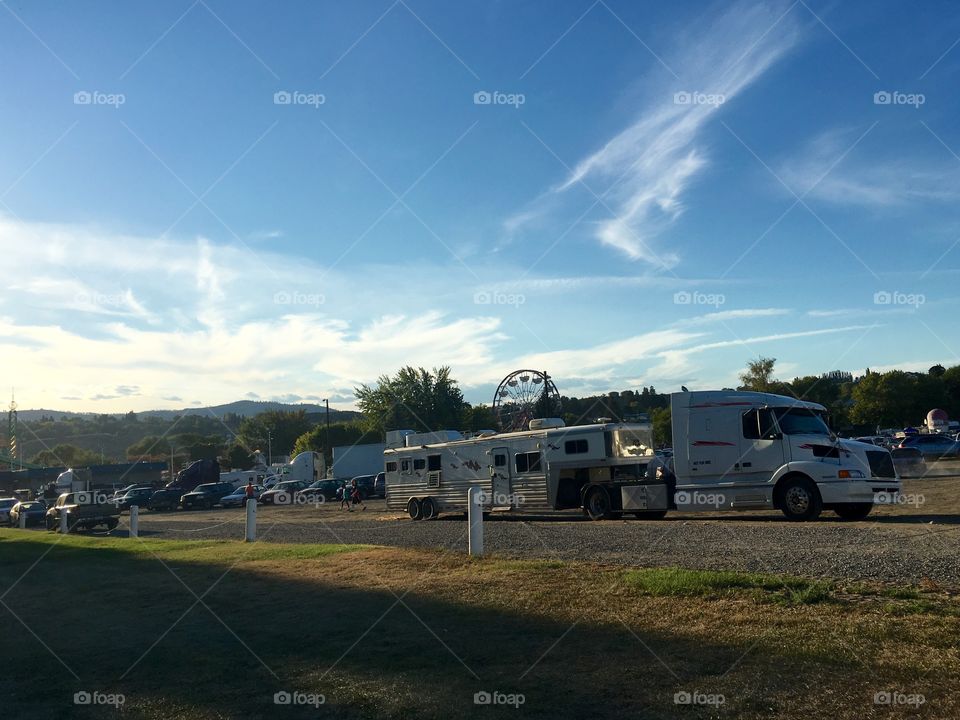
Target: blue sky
{"x": 620, "y": 193}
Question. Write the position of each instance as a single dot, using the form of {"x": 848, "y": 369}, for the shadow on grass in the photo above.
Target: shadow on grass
{"x": 123, "y": 624}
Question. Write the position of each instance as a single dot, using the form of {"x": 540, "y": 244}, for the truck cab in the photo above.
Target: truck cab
{"x": 749, "y": 450}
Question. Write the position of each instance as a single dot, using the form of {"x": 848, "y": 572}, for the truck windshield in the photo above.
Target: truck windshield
{"x": 800, "y": 421}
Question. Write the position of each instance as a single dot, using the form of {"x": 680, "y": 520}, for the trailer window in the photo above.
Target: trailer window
{"x": 392, "y": 466}
{"x": 405, "y": 465}
{"x": 575, "y": 447}
{"x": 499, "y": 460}
{"x": 759, "y": 425}
{"x": 433, "y": 462}
{"x": 528, "y": 462}
{"x": 419, "y": 463}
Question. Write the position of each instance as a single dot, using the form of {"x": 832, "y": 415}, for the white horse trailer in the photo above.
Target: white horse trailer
{"x": 605, "y": 469}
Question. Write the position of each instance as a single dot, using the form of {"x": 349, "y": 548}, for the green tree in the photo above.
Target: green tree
{"x": 66, "y": 455}
{"x": 237, "y": 457}
{"x": 662, "y": 427}
{"x": 414, "y": 398}
{"x": 479, "y": 417}
{"x": 759, "y": 376}
{"x": 283, "y": 426}
{"x": 884, "y": 399}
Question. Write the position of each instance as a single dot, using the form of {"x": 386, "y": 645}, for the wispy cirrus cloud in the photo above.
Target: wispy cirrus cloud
{"x": 871, "y": 181}
{"x": 643, "y": 172}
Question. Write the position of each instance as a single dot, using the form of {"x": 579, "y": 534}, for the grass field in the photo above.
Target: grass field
{"x": 214, "y": 629}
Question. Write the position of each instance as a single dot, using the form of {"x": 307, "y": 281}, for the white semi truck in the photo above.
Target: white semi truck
{"x": 732, "y": 451}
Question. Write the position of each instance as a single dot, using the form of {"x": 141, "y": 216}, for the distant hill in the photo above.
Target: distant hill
{"x": 243, "y": 408}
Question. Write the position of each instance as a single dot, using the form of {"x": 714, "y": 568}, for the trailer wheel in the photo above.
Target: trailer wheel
{"x": 596, "y": 504}
{"x": 651, "y": 515}
{"x": 428, "y": 509}
{"x": 413, "y": 509}
{"x": 853, "y": 511}
{"x": 799, "y": 499}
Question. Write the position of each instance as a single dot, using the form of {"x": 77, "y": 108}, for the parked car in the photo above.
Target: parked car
{"x": 5, "y": 505}
{"x": 379, "y": 486}
{"x": 322, "y": 490}
{"x": 206, "y": 495}
{"x": 164, "y": 500}
{"x": 364, "y": 485}
{"x": 283, "y": 492}
{"x": 139, "y": 496}
{"x": 238, "y": 498}
{"x": 32, "y": 510}
{"x": 83, "y": 510}
{"x": 877, "y": 440}
{"x": 933, "y": 446}
{"x": 123, "y": 491}
{"x": 908, "y": 461}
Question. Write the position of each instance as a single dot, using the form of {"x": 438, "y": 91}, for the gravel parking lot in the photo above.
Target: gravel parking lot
{"x": 905, "y": 544}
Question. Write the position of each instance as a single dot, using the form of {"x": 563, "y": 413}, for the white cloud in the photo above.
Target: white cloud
{"x": 819, "y": 172}
{"x": 651, "y": 163}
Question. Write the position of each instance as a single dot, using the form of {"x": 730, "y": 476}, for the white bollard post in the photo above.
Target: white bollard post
{"x": 134, "y": 521}
{"x": 23, "y": 520}
{"x": 475, "y": 518}
{"x": 251, "y": 520}
{"x": 64, "y": 529}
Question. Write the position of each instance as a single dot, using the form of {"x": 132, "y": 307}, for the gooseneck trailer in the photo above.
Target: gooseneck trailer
{"x": 732, "y": 451}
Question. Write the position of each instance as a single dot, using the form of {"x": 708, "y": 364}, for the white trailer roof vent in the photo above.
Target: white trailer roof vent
{"x": 546, "y": 423}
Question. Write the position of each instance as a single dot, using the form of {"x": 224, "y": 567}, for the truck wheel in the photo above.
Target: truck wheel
{"x": 414, "y": 510}
{"x": 800, "y": 499}
{"x": 853, "y": 511}
{"x": 428, "y": 509}
{"x": 596, "y": 504}
{"x": 651, "y": 515}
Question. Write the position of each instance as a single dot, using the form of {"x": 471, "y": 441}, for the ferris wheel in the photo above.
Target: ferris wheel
{"x": 522, "y": 396}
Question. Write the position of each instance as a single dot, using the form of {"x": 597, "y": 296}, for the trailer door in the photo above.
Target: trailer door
{"x": 500, "y": 484}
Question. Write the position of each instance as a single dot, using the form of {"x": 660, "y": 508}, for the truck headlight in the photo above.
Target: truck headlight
{"x": 851, "y": 474}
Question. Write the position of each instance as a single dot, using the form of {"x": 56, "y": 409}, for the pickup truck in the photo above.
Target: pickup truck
{"x": 83, "y": 510}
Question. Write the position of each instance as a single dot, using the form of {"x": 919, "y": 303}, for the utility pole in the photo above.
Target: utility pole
{"x": 326, "y": 439}
{"x": 269, "y": 447}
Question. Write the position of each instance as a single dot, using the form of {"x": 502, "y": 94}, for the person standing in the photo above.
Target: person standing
{"x": 249, "y": 492}
{"x": 355, "y": 495}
